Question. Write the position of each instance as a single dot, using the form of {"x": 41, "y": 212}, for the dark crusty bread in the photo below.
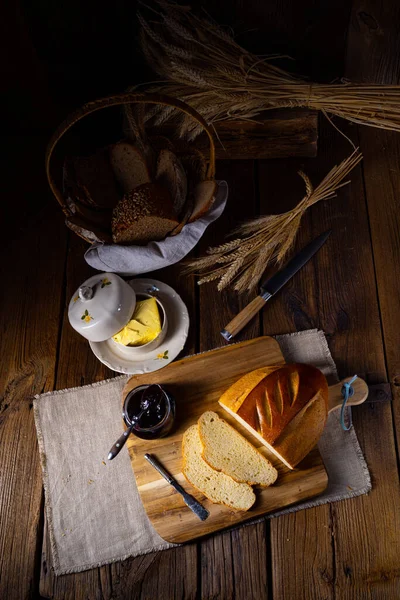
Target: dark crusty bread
{"x": 204, "y": 195}
{"x": 144, "y": 215}
{"x": 94, "y": 180}
{"x": 285, "y": 408}
{"x": 171, "y": 175}
{"x": 195, "y": 165}
{"x": 129, "y": 166}
{"x": 185, "y": 216}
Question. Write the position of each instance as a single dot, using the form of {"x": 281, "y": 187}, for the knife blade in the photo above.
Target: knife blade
{"x": 189, "y": 500}
{"x": 271, "y": 286}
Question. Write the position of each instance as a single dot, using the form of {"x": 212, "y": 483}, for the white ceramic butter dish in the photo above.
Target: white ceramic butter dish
{"x": 101, "y": 306}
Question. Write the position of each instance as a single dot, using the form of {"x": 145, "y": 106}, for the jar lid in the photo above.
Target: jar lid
{"x": 101, "y": 306}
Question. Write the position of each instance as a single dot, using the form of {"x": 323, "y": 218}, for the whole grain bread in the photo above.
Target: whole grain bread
{"x": 286, "y": 409}
{"x": 204, "y": 195}
{"x": 144, "y": 215}
{"x": 216, "y": 486}
{"x": 171, "y": 175}
{"x": 129, "y": 165}
{"x": 224, "y": 449}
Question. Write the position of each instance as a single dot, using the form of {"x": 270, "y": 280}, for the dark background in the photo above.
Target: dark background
{"x": 59, "y": 55}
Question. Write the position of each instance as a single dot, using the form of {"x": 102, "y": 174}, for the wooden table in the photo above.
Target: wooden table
{"x": 351, "y": 290}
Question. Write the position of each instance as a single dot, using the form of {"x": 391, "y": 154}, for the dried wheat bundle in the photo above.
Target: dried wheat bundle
{"x": 203, "y": 65}
{"x": 267, "y": 239}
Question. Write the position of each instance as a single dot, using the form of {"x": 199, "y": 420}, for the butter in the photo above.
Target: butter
{"x": 144, "y": 326}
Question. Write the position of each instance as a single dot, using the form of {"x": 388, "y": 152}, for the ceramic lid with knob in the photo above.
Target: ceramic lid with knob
{"x": 101, "y": 306}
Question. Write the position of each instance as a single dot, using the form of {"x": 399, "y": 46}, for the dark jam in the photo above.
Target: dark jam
{"x": 157, "y": 419}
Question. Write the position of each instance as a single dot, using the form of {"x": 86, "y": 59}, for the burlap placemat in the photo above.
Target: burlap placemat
{"x": 95, "y": 515}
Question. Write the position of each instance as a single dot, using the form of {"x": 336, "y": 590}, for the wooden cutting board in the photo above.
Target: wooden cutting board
{"x": 197, "y": 382}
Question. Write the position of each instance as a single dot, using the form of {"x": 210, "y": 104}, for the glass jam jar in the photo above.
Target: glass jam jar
{"x": 157, "y": 420}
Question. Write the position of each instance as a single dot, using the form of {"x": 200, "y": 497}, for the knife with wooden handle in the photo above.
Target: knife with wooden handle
{"x": 270, "y": 287}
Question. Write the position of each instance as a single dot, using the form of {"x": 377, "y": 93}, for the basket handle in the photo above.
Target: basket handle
{"x": 120, "y": 99}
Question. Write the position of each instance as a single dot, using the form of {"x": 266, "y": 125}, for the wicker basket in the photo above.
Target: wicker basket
{"x": 85, "y": 225}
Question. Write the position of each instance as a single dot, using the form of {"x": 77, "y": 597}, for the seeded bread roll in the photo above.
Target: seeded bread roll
{"x": 216, "y": 486}
{"x": 226, "y": 450}
{"x": 144, "y": 215}
{"x": 129, "y": 166}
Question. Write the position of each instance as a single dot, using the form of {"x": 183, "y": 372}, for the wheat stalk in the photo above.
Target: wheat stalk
{"x": 204, "y": 66}
{"x": 267, "y": 239}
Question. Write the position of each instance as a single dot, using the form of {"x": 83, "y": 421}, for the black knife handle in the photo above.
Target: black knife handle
{"x": 243, "y": 318}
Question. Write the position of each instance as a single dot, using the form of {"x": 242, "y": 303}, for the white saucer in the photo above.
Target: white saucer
{"x": 178, "y": 327}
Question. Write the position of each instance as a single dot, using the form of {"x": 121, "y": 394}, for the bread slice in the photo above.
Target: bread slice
{"x": 129, "y": 166}
{"x": 286, "y": 410}
{"x": 226, "y": 450}
{"x": 144, "y": 215}
{"x": 204, "y": 195}
{"x": 216, "y": 486}
{"x": 195, "y": 165}
{"x": 171, "y": 174}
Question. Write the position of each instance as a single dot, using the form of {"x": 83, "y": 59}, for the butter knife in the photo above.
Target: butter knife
{"x": 191, "y": 502}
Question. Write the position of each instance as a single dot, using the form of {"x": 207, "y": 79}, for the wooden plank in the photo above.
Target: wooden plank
{"x": 348, "y": 312}
{"x": 373, "y": 46}
{"x": 301, "y": 543}
{"x": 225, "y": 557}
{"x": 32, "y": 270}
{"x": 324, "y": 299}
{"x": 274, "y": 134}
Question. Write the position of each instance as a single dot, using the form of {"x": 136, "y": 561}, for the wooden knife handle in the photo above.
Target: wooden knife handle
{"x": 335, "y": 398}
{"x": 243, "y": 318}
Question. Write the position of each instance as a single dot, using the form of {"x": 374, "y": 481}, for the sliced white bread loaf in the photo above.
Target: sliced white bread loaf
{"x": 226, "y": 450}
{"x": 129, "y": 166}
{"x": 171, "y": 175}
{"x": 204, "y": 195}
{"x": 144, "y": 215}
{"x": 216, "y": 486}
